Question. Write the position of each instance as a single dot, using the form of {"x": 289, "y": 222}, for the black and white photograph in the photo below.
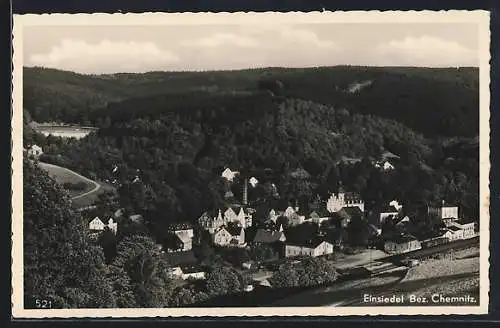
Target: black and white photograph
{"x": 242, "y": 164}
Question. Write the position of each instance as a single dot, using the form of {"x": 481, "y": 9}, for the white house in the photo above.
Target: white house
{"x": 445, "y": 211}
{"x": 253, "y": 181}
{"x": 96, "y": 224}
{"x": 193, "y": 272}
{"x": 456, "y": 233}
{"x": 310, "y": 248}
{"x": 396, "y": 205}
{"x": 222, "y": 237}
{"x": 344, "y": 199}
{"x": 113, "y": 226}
{"x": 467, "y": 227}
{"x": 242, "y": 216}
{"x": 229, "y": 236}
{"x": 385, "y": 166}
{"x": 35, "y": 151}
{"x": 229, "y": 175}
{"x": 185, "y": 273}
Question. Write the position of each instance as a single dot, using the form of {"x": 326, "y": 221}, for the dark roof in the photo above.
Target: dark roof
{"x": 403, "y": 239}
{"x": 454, "y": 228}
{"x": 352, "y": 211}
{"x": 234, "y": 231}
{"x": 179, "y": 226}
{"x": 464, "y": 221}
{"x": 389, "y": 209}
{"x": 180, "y": 258}
{"x": 267, "y": 236}
{"x": 310, "y": 243}
{"x": 192, "y": 268}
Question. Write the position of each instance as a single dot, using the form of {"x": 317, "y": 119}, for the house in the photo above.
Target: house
{"x": 396, "y": 205}
{"x": 184, "y": 233}
{"x": 266, "y": 236}
{"x": 96, "y": 226}
{"x": 253, "y": 181}
{"x": 468, "y": 227}
{"x": 194, "y": 272}
{"x": 384, "y": 165}
{"x": 35, "y": 151}
{"x": 240, "y": 215}
{"x": 389, "y": 211}
{"x": 186, "y": 272}
{"x": 344, "y": 199}
{"x": 229, "y": 175}
{"x": 229, "y": 236}
{"x": 319, "y": 216}
{"x": 315, "y": 247}
{"x": 113, "y": 226}
{"x": 456, "y": 233}
{"x": 402, "y": 244}
{"x": 445, "y": 211}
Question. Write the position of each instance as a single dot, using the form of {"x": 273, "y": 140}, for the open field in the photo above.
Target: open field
{"x": 63, "y": 175}
{"x": 80, "y": 198}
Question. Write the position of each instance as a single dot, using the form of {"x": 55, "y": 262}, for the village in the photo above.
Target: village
{"x": 289, "y": 232}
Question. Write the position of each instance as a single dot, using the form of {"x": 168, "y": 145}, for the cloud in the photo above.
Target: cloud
{"x": 424, "y": 51}
{"x": 105, "y": 57}
{"x": 305, "y": 37}
{"x": 221, "y": 39}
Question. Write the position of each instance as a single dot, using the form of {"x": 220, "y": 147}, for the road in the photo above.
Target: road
{"x": 96, "y": 188}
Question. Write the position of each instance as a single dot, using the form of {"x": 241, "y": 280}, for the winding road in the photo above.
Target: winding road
{"x": 96, "y": 188}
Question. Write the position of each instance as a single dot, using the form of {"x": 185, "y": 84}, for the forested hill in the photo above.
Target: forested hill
{"x": 431, "y": 101}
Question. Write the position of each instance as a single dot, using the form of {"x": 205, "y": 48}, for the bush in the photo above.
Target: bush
{"x": 309, "y": 272}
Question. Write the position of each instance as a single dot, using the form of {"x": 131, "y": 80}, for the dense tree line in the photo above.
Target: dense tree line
{"x": 160, "y": 139}
{"x": 432, "y": 101}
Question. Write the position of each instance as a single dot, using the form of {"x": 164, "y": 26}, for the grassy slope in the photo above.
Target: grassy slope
{"x": 62, "y": 175}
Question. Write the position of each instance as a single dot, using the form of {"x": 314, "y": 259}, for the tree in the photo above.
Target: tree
{"x": 59, "y": 264}
{"x": 140, "y": 258}
{"x": 309, "y": 272}
{"x": 358, "y": 231}
{"x": 223, "y": 280}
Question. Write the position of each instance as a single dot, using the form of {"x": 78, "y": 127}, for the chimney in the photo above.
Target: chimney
{"x": 245, "y": 191}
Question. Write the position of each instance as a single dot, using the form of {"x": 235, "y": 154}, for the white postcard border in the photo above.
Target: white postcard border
{"x": 478, "y": 17}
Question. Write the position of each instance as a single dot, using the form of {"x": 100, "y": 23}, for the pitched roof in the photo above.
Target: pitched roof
{"x": 454, "y": 228}
{"x": 233, "y": 230}
{"x": 267, "y": 236}
{"x": 309, "y": 243}
{"x": 179, "y": 258}
{"x": 179, "y": 226}
{"x": 403, "y": 238}
{"x": 352, "y": 197}
{"x": 389, "y": 209}
{"x": 352, "y": 211}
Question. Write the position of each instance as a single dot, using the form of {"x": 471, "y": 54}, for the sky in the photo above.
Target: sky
{"x": 94, "y": 49}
